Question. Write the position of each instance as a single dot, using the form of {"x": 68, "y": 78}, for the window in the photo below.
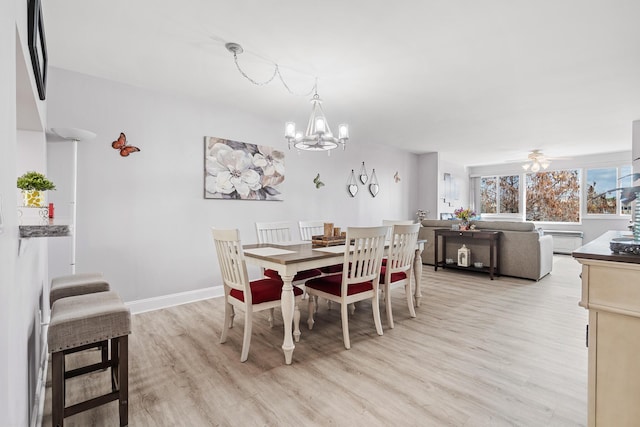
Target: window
{"x": 488, "y": 195}
{"x": 625, "y": 180}
{"x": 553, "y": 196}
{"x": 600, "y": 201}
{"x": 509, "y": 194}
{"x": 500, "y": 195}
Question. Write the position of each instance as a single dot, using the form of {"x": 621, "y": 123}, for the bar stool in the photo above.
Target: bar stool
{"x": 76, "y": 284}
{"x": 80, "y": 284}
{"x": 80, "y": 322}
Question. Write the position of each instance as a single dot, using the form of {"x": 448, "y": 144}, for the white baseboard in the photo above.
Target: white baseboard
{"x": 37, "y": 411}
{"x": 156, "y": 303}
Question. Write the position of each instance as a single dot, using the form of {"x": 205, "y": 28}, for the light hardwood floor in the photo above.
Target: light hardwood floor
{"x": 506, "y": 352}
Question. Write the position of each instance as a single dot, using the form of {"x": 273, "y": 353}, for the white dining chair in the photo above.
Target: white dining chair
{"x": 398, "y": 268}
{"x": 280, "y": 232}
{"x": 359, "y": 279}
{"x": 273, "y": 232}
{"x": 308, "y": 229}
{"x": 391, "y": 222}
{"x": 239, "y": 292}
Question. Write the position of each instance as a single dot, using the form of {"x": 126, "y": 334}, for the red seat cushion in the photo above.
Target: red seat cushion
{"x": 301, "y": 275}
{"x": 333, "y": 285}
{"x": 401, "y": 275}
{"x": 264, "y": 290}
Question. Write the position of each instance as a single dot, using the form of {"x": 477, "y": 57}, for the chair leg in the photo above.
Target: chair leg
{"x": 57, "y": 389}
{"x": 123, "y": 379}
{"x": 271, "y": 315}
{"x": 296, "y": 322}
{"x": 375, "y": 303}
{"x": 410, "y": 304}
{"x": 352, "y": 308}
{"x": 312, "y": 307}
{"x": 345, "y": 325}
{"x": 246, "y": 342}
{"x": 387, "y": 292}
{"x": 228, "y": 322}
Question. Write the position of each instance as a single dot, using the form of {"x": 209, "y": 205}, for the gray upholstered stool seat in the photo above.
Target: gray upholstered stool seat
{"x": 76, "y": 284}
{"x": 80, "y": 284}
{"x": 79, "y": 322}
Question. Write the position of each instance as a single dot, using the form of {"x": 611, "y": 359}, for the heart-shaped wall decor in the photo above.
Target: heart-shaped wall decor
{"x": 373, "y": 189}
{"x": 352, "y": 189}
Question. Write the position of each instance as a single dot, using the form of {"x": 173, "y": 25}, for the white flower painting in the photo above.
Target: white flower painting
{"x": 241, "y": 171}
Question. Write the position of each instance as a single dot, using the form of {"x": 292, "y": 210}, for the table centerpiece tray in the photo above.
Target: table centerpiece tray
{"x": 326, "y": 241}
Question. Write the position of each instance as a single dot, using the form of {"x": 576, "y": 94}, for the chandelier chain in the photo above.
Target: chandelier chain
{"x": 276, "y": 72}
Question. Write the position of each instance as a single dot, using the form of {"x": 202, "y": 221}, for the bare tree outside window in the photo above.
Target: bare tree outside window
{"x": 509, "y": 194}
{"x": 488, "y": 195}
{"x": 599, "y": 181}
{"x": 553, "y": 196}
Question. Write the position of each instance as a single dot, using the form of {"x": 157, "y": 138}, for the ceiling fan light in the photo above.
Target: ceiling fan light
{"x": 526, "y": 166}
{"x": 544, "y": 164}
{"x": 535, "y": 167}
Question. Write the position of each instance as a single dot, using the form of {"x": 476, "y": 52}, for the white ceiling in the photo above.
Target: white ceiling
{"x": 489, "y": 80}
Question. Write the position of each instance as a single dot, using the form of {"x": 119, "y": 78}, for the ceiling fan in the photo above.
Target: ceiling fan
{"x": 536, "y": 161}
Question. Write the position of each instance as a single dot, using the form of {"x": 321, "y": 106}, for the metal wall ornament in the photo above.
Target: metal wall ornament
{"x": 317, "y": 181}
{"x": 363, "y": 175}
{"x": 373, "y": 185}
{"x": 352, "y": 186}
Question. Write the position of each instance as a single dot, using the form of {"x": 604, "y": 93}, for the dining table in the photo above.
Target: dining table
{"x": 289, "y": 258}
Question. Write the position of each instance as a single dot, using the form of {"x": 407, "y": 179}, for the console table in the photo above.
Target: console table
{"x": 492, "y": 238}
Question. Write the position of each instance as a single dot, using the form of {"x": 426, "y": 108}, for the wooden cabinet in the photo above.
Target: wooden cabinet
{"x": 611, "y": 293}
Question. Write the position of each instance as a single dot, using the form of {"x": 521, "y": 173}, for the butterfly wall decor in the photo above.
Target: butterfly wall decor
{"x": 121, "y": 144}
{"x": 317, "y": 181}
{"x": 396, "y": 177}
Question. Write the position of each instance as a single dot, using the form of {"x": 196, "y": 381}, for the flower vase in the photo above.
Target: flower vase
{"x": 33, "y": 198}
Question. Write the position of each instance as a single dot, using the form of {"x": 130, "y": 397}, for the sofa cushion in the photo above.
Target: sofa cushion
{"x": 439, "y": 223}
{"x": 505, "y": 225}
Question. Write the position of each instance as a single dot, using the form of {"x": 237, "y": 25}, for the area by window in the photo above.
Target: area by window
{"x": 553, "y": 196}
{"x": 599, "y": 183}
{"x": 500, "y": 194}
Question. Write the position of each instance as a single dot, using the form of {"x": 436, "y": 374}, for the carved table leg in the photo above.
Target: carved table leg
{"x": 287, "y": 303}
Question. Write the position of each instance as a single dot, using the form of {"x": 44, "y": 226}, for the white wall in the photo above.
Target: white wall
{"x": 448, "y": 163}
{"x": 8, "y": 229}
{"x": 428, "y": 180}
{"x": 143, "y": 221}
{"x": 22, "y": 272}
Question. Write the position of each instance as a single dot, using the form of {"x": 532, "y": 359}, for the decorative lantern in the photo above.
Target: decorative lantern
{"x": 464, "y": 256}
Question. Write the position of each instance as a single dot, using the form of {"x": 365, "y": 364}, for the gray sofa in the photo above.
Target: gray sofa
{"x": 523, "y": 251}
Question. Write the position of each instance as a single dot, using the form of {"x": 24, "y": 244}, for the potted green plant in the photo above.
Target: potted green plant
{"x": 33, "y": 185}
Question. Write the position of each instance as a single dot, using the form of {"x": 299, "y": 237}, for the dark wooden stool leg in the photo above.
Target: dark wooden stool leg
{"x": 123, "y": 379}
{"x": 104, "y": 346}
{"x": 115, "y": 345}
{"x": 57, "y": 389}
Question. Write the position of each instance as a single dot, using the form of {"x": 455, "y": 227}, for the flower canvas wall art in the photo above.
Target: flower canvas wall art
{"x": 242, "y": 171}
